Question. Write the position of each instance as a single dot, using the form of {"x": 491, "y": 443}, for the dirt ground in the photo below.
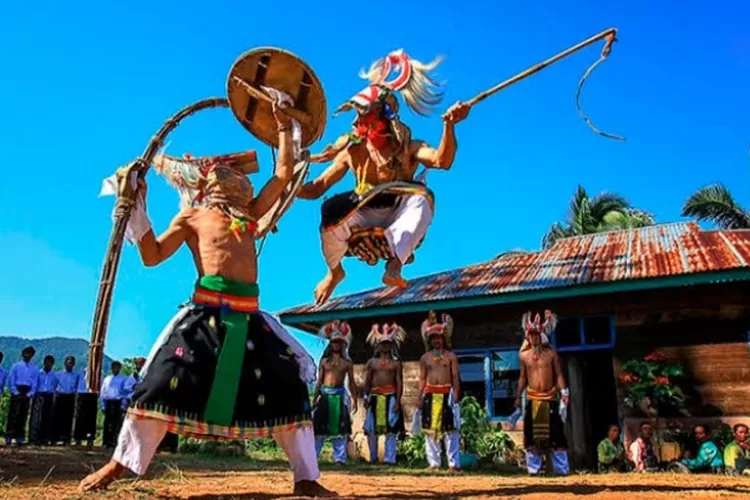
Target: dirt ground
{"x": 54, "y": 473}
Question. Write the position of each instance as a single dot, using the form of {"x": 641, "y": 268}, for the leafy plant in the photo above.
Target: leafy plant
{"x": 649, "y": 385}
{"x": 412, "y": 450}
{"x": 479, "y": 437}
{"x": 497, "y": 446}
{"x": 723, "y": 436}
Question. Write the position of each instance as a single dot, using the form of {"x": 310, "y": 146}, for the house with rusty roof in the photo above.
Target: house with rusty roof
{"x": 673, "y": 287}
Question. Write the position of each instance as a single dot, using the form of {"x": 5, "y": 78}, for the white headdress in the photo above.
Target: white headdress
{"x": 545, "y": 329}
{"x": 431, "y": 327}
{"x": 390, "y": 333}
{"x": 338, "y": 331}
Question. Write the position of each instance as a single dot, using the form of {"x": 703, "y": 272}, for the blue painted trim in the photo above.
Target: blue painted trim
{"x": 487, "y": 353}
{"x": 584, "y": 346}
{"x": 693, "y": 279}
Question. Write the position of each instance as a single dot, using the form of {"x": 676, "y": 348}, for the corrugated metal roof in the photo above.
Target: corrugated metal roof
{"x": 654, "y": 252}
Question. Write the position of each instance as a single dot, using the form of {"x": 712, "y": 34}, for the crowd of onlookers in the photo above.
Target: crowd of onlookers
{"x": 704, "y": 457}
{"x": 56, "y": 406}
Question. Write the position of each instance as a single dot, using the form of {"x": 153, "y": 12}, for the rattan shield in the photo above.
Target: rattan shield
{"x": 284, "y": 71}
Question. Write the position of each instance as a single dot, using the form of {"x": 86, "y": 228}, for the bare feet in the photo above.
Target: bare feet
{"x": 392, "y": 276}
{"x": 312, "y": 489}
{"x": 102, "y": 478}
{"x": 326, "y": 287}
{"x": 454, "y": 470}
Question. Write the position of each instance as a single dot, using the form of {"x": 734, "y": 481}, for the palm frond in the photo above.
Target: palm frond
{"x": 556, "y": 231}
{"x": 715, "y": 203}
{"x": 605, "y": 203}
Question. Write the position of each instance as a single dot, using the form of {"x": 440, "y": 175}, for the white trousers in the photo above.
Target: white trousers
{"x": 391, "y": 448}
{"x": 140, "y": 438}
{"x": 452, "y": 442}
{"x": 405, "y": 226}
{"x": 340, "y": 444}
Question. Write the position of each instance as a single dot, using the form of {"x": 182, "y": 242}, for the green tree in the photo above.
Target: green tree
{"x": 715, "y": 204}
{"x": 604, "y": 212}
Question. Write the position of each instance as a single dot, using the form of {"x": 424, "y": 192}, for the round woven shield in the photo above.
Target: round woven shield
{"x": 284, "y": 71}
{"x": 271, "y": 218}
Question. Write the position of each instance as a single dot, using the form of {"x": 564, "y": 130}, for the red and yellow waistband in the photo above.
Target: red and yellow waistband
{"x": 203, "y": 296}
{"x": 384, "y": 390}
{"x": 437, "y": 389}
{"x": 541, "y": 396}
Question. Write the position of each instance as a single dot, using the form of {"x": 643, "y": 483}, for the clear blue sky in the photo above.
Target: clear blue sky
{"x": 85, "y": 84}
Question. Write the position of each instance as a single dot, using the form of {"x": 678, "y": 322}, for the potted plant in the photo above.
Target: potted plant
{"x": 649, "y": 385}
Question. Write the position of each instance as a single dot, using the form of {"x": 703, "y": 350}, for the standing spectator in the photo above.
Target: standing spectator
{"x": 737, "y": 453}
{"x": 611, "y": 453}
{"x": 85, "y": 413}
{"x": 65, "y": 402}
{"x": 708, "y": 459}
{"x": 41, "y": 407}
{"x": 3, "y": 375}
{"x": 22, "y": 385}
{"x": 641, "y": 451}
{"x": 113, "y": 398}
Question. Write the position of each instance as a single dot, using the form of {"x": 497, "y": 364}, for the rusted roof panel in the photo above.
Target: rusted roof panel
{"x": 653, "y": 252}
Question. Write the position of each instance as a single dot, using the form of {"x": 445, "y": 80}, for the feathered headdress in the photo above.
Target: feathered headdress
{"x": 545, "y": 329}
{"x": 390, "y": 333}
{"x": 431, "y": 327}
{"x": 412, "y": 81}
{"x": 338, "y": 331}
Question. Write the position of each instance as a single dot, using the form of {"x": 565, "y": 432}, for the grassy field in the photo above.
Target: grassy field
{"x": 54, "y": 473}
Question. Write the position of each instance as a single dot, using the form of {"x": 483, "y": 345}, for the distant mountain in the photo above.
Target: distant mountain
{"x": 58, "y": 347}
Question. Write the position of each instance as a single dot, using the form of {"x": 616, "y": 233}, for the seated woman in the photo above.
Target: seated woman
{"x": 737, "y": 453}
{"x": 611, "y": 453}
{"x": 707, "y": 460}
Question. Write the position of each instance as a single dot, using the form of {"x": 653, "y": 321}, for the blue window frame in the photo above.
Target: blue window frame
{"x": 491, "y": 376}
{"x": 584, "y": 334}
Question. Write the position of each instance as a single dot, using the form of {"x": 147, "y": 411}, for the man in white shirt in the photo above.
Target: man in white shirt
{"x": 22, "y": 383}
{"x": 40, "y": 426}
{"x": 113, "y": 402}
{"x": 68, "y": 381}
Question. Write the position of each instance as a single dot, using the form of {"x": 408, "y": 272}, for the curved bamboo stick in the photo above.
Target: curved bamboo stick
{"x": 114, "y": 248}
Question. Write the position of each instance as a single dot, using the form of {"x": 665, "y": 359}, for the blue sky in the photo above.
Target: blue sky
{"x": 85, "y": 84}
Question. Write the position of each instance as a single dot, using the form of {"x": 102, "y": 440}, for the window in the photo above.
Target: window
{"x": 577, "y": 334}
{"x": 491, "y": 376}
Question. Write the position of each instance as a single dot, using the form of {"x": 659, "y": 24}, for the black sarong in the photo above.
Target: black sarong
{"x": 113, "y": 418}
{"x": 63, "y": 411}
{"x": 178, "y": 381}
{"x": 331, "y": 415}
{"x": 87, "y": 407}
{"x": 18, "y": 413}
{"x": 40, "y": 425}
{"x": 543, "y": 427}
{"x": 379, "y": 413}
{"x": 437, "y": 414}
{"x": 169, "y": 443}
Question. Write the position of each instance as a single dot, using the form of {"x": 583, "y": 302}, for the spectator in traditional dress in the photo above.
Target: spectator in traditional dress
{"x": 40, "y": 426}
{"x": 611, "y": 453}
{"x": 641, "y": 452}
{"x": 737, "y": 453}
{"x": 65, "y": 402}
{"x": 113, "y": 403}
{"x": 22, "y": 383}
{"x": 707, "y": 460}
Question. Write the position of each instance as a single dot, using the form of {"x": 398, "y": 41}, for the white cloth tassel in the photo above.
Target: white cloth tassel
{"x": 139, "y": 223}
{"x": 284, "y": 100}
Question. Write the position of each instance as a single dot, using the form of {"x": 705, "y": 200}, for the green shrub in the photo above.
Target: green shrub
{"x": 412, "y": 450}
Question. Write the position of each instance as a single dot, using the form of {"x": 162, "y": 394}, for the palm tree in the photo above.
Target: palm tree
{"x": 604, "y": 212}
{"x": 715, "y": 203}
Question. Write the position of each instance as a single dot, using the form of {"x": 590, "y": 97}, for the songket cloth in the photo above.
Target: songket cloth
{"x": 403, "y": 217}
{"x": 440, "y": 421}
{"x": 18, "y": 414}
{"x": 222, "y": 370}
{"x": 382, "y": 419}
{"x": 331, "y": 418}
{"x": 40, "y": 424}
{"x": 544, "y": 431}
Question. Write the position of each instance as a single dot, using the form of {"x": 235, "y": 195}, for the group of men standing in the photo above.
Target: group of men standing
{"x": 438, "y": 414}
{"x": 54, "y": 403}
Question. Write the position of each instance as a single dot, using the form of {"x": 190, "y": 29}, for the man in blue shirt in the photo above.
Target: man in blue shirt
{"x": 114, "y": 396}
{"x": 41, "y": 406}
{"x": 22, "y": 383}
{"x": 68, "y": 381}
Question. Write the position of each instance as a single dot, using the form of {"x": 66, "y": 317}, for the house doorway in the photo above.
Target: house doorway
{"x": 593, "y": 403}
